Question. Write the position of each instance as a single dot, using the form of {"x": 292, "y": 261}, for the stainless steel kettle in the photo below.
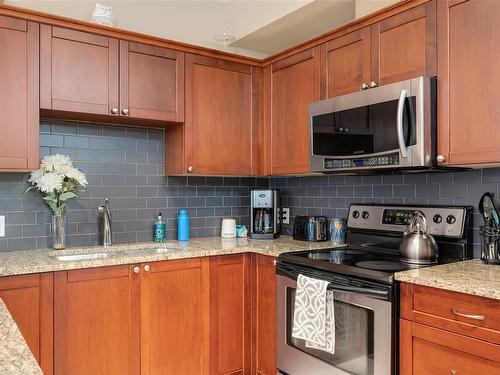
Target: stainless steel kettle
{"x": 418, "y": 246}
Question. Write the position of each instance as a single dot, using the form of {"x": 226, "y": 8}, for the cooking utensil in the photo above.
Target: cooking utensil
{"x": 488, "y": 210}
{"x": 418, "y": 246}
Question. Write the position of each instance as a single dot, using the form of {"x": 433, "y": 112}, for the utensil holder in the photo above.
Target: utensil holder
{"x": 490, "y": 244}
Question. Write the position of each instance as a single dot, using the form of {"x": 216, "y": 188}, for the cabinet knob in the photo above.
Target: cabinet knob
{"x": 125, "y": 111}
{"x": 275, "y": 262}
{"x": 453, "y": 372}
{"x": 114, "y": 111}
{"x": 137, "y": 269}
{"x": 364, "y": 86}
{"x": 147, "y": 268}
{"x": 190, "y": 168}
{"x": 440, "y": 158}
{"x": 373, "y": 84}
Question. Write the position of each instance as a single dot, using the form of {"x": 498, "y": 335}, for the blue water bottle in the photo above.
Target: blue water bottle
{"x": 183, "y": 226}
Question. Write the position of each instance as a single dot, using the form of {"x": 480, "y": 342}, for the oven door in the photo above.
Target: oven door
{"x": 363, "y": 335}
{"x": 385, "y": 127}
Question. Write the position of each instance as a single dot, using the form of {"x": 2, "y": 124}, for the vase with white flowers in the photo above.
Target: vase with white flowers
{"x": 58, "y": 182}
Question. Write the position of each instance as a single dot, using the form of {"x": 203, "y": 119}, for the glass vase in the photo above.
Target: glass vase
{"x": 59, "y": 231}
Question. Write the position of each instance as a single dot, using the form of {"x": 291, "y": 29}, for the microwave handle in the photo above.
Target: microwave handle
{"x": 399, "y": 124}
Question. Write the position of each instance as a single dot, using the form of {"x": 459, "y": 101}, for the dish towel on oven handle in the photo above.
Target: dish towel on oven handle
{"x": 314, "y": 315}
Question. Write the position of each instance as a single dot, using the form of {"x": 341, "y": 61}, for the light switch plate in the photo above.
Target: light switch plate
{"x": 2, "y": 226}
{"x": 285, "y": 215}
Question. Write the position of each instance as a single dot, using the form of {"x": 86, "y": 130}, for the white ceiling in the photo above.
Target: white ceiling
{"x": 261, "y": 27}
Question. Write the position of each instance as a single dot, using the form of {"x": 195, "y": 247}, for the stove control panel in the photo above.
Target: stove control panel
{"x": 441, "y": 221}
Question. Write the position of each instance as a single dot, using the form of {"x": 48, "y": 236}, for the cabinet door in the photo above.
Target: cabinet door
{"x": 29, "y": 300}
{"x": 404, "y": 45}
{"x": 19, "y": 98}
{"x": 425, "y": 350}
{"x": 79, "y": 71}
{"x": 348, "y": 63}
{"x": 219, "y": 117}
{"x": 174, "y": 317}
{"x": 468, "y": 96}
{"x": 230, "y": 315}
{"x": 264, "y": 314}
{"x": 294, "y": 83}
{"x": 97, "y": 321}
{"x": 151, "y": 82}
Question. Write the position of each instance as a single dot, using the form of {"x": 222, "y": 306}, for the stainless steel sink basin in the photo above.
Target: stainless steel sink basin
{"x": 72, "y": 257}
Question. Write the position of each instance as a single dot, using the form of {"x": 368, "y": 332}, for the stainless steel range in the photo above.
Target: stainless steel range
{"x": 366, "y": 298}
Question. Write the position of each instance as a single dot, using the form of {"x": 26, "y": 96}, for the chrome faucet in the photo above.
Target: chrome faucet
{"x": 106, "y": 223}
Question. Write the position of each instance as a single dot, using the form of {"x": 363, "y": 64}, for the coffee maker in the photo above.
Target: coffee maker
{"x": 265, "y": 223}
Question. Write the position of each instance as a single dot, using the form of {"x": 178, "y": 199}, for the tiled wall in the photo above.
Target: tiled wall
{"x": 125, "y": 165}
{"x": 331, "y": 195}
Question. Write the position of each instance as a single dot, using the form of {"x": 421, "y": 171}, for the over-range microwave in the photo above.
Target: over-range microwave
{"x": 379, "y": 129}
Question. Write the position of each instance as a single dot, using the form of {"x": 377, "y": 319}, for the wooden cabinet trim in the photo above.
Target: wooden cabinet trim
{"x": 21, "y": 281}
{"x": 220, "y": 64}
{"x": 79, "y": 36}
{"x": 98, "y": 273}
{"x": 13, "y": 23}
{"x": 147, "y": 49}
{"x": 294, "y": 59}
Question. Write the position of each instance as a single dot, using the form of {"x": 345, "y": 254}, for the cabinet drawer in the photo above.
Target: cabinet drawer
{"x": 439, "y": 352}
{"x": 456, "y": 312}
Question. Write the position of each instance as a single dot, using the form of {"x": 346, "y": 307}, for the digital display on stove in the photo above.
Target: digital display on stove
{"x": 397, "y": 217}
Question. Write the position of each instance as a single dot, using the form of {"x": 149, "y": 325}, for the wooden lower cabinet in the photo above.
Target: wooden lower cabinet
{"x": 230, "y": 315}
{"x": 434, "y": 339}
{"x": 174, "y": 317}
{"x": 97, "y": 321}
{"x": 29, "y": 300}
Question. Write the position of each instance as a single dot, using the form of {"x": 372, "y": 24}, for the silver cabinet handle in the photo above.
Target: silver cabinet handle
{"x": 373, "y": 84}
{"x": 440, "y": 158}
{"x": 147, "y": 268}
{"x": 137, "y": 269}
{"x": 364, "y": 86}
{"x": 190, "y": 168}
{"x": 470, "y": 316}
{"x": 125, "y": 111}
{"x": 114, "y": 111}
{"x": 399, "y": 123}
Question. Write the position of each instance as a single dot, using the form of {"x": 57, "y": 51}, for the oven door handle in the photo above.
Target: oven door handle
{"x": 372, "y": 293}
{"x": 399, "y": 124}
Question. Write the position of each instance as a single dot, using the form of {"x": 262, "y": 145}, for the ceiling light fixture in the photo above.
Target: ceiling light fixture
{"x": 223, "y": 36}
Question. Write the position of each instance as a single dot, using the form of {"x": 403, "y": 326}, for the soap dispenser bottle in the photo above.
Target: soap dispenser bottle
{"x": 160, "y": 233}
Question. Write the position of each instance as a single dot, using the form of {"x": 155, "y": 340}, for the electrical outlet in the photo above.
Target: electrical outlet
{"x": 2, "y": 226}
{"x": 285, "y": 215}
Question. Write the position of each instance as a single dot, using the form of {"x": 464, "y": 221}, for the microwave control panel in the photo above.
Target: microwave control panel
{"x": 375, "y": 161}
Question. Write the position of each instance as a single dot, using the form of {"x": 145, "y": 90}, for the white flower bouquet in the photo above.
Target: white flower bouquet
{"x": 58, "y": 181}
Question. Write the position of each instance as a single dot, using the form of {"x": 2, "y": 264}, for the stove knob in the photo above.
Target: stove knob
{"x": 437, "y": 218}
{"x": 365, "y": 215}
{"x": 355, "y": 214}
{"x": 451, "y": 219}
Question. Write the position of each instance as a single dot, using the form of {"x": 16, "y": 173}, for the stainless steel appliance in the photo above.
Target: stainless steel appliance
{"x": 265, "y": 221}
{"x": 418, "y": 246}
{"x": 366, "y": 295}
{"x": 310, "y": 228}
{"x": 387, "y": 127}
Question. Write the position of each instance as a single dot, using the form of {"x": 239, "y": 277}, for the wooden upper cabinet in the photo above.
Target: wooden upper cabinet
{"x": 348, "y": 62}
{"x": 469, "y": 78}
{"x": 97, "y": 321}
{"x": 79, "y": 71}
{"x": 174, "y": 317}
{"x": 397, "y": 48}
{"x": 292, "y": 83}
{"x": 230, "y": 315}
{"x": 151, "y": 82}
{"x": 220, "y": 119}
{"x": 19, "y": 104}
{"x": 404, "y": 45}
{"x": 29, "y": 299}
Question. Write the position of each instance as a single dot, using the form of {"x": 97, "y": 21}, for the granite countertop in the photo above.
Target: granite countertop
{"x": 15, "y": 356}
{"x": 470, "y": 277}
{"x": 35, "y": 261}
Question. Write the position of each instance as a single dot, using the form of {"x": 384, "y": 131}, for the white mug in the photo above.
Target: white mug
{"x": 228, "y": 229}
